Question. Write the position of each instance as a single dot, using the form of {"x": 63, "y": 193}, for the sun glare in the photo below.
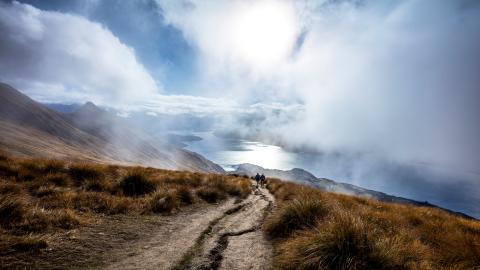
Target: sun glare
{"x": 264, "y": 32}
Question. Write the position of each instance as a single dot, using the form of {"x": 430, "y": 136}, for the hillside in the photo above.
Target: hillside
{"x": 29, "y": 128}
{"x": 301, "y": 176}
{"x": 304, "y": 177}
{"x": 63, "y": 215}
{"x": 312, "y": 229}
{"x": 58, "y": 215}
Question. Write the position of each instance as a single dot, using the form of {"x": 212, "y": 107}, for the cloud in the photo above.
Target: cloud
{"x": 59, "y": 57}
{"x": 52, "y": 55}
{"x": 389, "y": 89}
{"x": 397, "y": 79}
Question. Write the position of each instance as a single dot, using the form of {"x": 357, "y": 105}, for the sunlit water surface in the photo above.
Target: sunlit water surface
{"x": 456, "y": 191}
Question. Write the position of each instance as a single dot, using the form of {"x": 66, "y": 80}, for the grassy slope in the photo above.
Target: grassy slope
{"x": 312, "y": 229}
{"x": 41, "y": 197}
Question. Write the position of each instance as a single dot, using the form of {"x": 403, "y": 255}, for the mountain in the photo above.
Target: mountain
{"x": 63, "y": 108}
{"x": 28, "y": 128}
{"x": 302, "y": 176}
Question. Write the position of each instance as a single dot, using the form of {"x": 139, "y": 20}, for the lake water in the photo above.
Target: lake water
{"x": 456, "y": 191}
{"x": 228, "y": 152}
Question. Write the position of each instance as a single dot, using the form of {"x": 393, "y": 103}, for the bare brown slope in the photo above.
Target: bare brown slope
{"x": 136, "y": 144}
{"x": 18, "y": 108}
{"x": 26, "y": 142}
{"x": 30, "y": 128}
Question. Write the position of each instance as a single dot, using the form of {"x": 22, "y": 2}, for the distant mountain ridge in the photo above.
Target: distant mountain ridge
{"x": 28, "y": 128}
{"x": 302, "y": 176}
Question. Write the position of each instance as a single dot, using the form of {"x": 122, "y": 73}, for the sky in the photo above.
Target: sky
{"x": 397, "y": 80}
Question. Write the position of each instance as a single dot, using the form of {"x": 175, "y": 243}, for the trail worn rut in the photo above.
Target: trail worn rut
{"x": 235, "y": 240}
{"x": 227, "y": 236}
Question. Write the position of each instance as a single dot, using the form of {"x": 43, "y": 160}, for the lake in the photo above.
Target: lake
{"x": 454, "y": 190}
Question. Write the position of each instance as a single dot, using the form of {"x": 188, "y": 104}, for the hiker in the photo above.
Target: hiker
{"x": 262, "y": 180}
{"x": 257, "y": 178}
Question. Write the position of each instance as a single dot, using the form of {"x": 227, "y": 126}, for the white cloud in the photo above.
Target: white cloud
{"x": 61, "y": 57}
{"x": 399, "y": 79}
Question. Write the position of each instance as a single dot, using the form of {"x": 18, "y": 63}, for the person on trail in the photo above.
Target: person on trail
{"x": 262, "y": 180}
{"x": 257, "y": 178}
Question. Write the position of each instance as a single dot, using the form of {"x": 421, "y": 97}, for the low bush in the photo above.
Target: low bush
{"x": 162, "y": 202}
{"x": 58, "y": 179}
{"x": 65, "y": 219}
{"x": 185, "y": 195}
{"x": 82, "y": 171}
{"x": 238, "y": 187}
{"x": 7, "y": 169}
{"x": 13, "y": 208}
{"x": 102, "y": 203}
{"x": 97, "y": 184}
{"x": 29, "y": 244}
{"x": 10, "y": 188}
{"x": 43, "y": 191}
{"x": 43, "y": 166}
{"x": 137, "y": 183}
{"x": 210, "y": 194}
{"x": 298, "y": 214}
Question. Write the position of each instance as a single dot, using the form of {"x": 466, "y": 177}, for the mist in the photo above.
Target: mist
{"x": 398, "y": 79}
{"x": 381, "y": 94}
{"x": 392, "y": 87}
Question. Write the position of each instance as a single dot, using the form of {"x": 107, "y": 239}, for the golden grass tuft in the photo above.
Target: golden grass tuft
{"x": 294, "y": 215}
{"x": 355, "y": 233}
{"x": 137, "y": 183}
{"x": 41, "y": 197}
{"x": 164, "y": 202}
{"x": 82, "y": 171}
{"x": 210, "y": 194}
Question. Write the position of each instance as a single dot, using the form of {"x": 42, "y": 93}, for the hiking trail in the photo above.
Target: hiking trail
{"x": 224, "y": 236}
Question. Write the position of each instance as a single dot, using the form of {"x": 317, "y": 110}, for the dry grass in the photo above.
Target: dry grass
{"x": 312, "y": 229}
{"x": 40, "y": 197}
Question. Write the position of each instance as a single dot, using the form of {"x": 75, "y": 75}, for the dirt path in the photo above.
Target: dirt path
{"x": 228, "y": 236}
{"x": 234, "y": 241}
{"x": 223, "y": 236}
{"x": 167, "y": 244}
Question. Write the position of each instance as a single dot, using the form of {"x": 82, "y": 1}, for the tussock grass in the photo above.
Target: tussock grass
{"x": 82, "y": 171}
{"x": 41, "y": 197}
{"x": 162, "y": 202}
{"x": 185, "y": 195}
{"x": 294, "y": 215}
{"x": 312, "y": 229}
{"x": 28, "y": 243}
{"x": 137, "y": 183}
{"x": 210, "y": 194}
{"x": 12, "y": 208}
